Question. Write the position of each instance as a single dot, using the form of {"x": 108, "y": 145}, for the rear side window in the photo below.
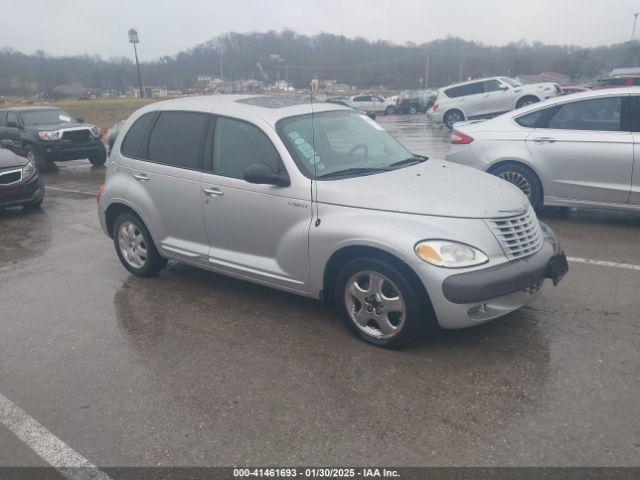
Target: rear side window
{"x": 12, "y": 117}
{"x": 464, "y": 90}
{"x": 177, "y": 139}
{"x": 601, "y": 114}
{"x": 135, "y": 143}
{"x": 530, "y": 120}
{"x": 238, "y": 144}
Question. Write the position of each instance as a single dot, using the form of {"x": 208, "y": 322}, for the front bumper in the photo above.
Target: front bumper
{"x": 470, "y": 298}
{"x": 60, "y": 151}
{"x": 23, "y": 193}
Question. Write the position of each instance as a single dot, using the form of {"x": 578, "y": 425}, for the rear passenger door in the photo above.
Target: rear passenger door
{"x": 585, "y": 149}
{"x": 257, "y": 232}
{"x": 166, "y": 181}
{"x": 469, "y": 98}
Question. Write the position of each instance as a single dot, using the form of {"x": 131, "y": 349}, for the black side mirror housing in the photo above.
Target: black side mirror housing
{"x": 80, "y": 120}
{"x": 263, "y": 174}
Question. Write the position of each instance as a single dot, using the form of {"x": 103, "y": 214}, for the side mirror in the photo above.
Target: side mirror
{"x": 261, "y": 173}
{"x": 504, "y": 88}
{"x": 80, "y": 120}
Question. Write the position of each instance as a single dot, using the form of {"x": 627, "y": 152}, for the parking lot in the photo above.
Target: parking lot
{"x": 193, "y": 368}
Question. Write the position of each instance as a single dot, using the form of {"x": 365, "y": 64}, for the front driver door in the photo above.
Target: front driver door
{"x": 498, "y": 97}
{"x": 257, "y": 232}
{"x": 585, "y": 149}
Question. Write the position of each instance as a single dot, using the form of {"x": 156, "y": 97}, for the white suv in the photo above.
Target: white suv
{"x": 486, "y": 98}
{"x": 374, "y": 103}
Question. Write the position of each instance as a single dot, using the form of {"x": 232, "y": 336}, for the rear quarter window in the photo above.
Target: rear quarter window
{"x": 530, "y": 120}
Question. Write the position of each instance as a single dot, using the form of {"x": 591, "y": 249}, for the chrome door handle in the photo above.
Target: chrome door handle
{"x": 542, "y": 140}
{"x": 212, "y": 192}
{"x": 141, "y": 177}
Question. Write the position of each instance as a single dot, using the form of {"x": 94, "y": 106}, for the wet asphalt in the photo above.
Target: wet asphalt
{"x": 193, "y": 368}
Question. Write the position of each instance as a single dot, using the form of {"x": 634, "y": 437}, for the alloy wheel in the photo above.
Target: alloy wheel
{"x": 375, "y": 304}
{"x": 519, "y": 181}
{"x": 132, "y": 244}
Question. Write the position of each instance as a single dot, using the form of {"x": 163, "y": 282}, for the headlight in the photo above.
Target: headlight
{"x": 50, "y": 135}
{"x": 443, "y": 253}
{"x": 28, "y": 170}
{"x": 95, "y": 131}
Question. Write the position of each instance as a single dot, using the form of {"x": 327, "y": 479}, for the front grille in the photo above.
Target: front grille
{"x": 77, "y": 136}
{"x": 7, "y": 178}
{"x": 519, "y": 236}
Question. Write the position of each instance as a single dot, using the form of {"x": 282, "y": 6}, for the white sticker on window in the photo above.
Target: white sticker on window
{"x": 64, "y": 118}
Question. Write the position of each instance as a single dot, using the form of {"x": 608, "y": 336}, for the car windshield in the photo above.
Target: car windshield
{"x": 342, "y": 143}
{"x": 511, "y": 82}
{"x": 41, "y": 117}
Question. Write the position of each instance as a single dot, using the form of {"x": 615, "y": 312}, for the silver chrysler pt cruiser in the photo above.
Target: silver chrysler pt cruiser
{"x": 319, "y": 200}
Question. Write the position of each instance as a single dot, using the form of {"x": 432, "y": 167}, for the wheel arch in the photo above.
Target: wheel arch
{"x": 118, "y": 207}
{"x": 351, "y": 252}
{"x": 520, "y": 163}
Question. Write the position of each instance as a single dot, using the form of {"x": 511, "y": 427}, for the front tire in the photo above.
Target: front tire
{"x": 378, "y": 303}
{"x": 34, "y": 157}
{"x": 135, "y": 247}
{"x": 523, "y": 178}
{"x": 452, "y": 117}
{"x": 100, "y": 159}
{"x": 523, "y": 102}
{"x": 390, "y": 110}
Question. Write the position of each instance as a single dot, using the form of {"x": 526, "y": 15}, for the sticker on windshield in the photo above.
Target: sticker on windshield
{"x": 304, "y": 148}
{"x": 321, "y": 166}
{"x": 371, "y": 122}
{"x": 64, "y": 118}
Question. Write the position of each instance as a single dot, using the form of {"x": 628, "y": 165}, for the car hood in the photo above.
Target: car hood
{"x": 536, "y": 87}
{"x": 434, "y": 187}
{"x": 9, "y": 159}
{"x": 57, "y": 126}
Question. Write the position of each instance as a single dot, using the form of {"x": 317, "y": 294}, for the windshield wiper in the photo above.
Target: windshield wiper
{"x": 353, "y": 171}
{"x": 409, "y": 161}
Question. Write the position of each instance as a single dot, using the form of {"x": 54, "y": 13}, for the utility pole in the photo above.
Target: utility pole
{"x": 635, "y": 21}
{"x": 426, "y": 73}
{"x": 221, "y": 72}
{"x": 286, "y": 74}
{"x": 133, "y": 38}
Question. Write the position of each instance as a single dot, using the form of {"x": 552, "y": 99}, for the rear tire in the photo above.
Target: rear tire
{"x": 378, "y": 303}
{"x": 523, "y": 178}
{"x": 452, "y": 117}
{"x": 135, "y": 247}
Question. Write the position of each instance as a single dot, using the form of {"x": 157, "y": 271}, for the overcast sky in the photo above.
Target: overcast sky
{"x": 68, "y": 27}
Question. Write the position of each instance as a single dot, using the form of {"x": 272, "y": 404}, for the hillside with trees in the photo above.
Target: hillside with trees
{"x": 274, "y": 56}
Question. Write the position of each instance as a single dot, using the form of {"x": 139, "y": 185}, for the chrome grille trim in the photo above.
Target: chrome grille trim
{"x": 5, "y": 174}
{"x": 519, "y": 236}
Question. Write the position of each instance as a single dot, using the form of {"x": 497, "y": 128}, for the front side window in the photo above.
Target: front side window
{"x": 511, "y": 82}
{"x": 601, "y": 114}
{"x": 177, "y": 139}
{"x": 339, "y": 142}
{"x": 12, "y": 118}
{"x": 48, "y": 116}
{"x": 492, "y": 86}
{"x": 238, "y": 144}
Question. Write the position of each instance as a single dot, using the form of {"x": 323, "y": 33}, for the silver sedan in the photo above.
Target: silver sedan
{"x": 576, "y": 151}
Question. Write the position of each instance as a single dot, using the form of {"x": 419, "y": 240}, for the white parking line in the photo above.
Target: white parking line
{"x": 603, "y": 263}
{"x": 49, "y": 447}
{"x": 68, "y": 190}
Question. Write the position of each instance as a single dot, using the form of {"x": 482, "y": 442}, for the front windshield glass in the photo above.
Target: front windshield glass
{"x": 341, "y": 141}
{"x": 41, "y": 117}
{"x": 511, "y": 82}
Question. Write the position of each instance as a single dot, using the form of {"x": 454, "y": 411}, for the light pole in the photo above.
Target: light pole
{"x": 133, "y": 38}
{"x": 635, "y": 21}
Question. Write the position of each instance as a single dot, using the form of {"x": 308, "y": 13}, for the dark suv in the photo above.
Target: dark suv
{"x": 48, "y": 134}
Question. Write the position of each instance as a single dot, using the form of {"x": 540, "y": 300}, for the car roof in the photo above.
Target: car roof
{"x": 269, "y": 108}
{"x": 475, "y": 80}
{"x": 31, "y": 108}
